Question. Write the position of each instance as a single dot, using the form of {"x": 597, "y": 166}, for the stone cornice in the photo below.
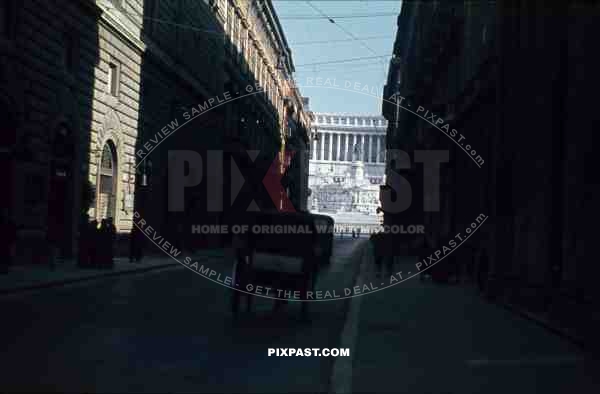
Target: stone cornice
{"x": 349, "y": 115}
{"x": 115, "y": 22}
{"x": 321, "y": 130}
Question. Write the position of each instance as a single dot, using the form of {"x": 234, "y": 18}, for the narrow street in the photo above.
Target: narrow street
{"x": 139, "y": 137}
{"x": 165, "y": 331}
{"x": 171, "y": 331}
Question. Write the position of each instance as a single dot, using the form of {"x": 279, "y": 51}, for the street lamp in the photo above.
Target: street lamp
{"x": 145, "y": 170}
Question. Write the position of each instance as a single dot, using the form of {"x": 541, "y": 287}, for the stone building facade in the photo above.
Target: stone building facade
{"x": 87, "y": 84}
{"x": 57, "y": 61}
{"x": 515, "y": 79}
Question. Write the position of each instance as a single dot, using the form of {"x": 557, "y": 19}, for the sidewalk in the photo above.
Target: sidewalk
{"x": 30, "y": 277}
{"x": 419, "y": 337}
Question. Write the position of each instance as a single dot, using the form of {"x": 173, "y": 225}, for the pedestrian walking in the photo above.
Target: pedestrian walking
{"x": 136, "y": 245}
{"x": 112, "y": 235}
{"x": 375, "y": 240}
{"x": 102, "y": 243}
{"x": 384, "y": 258}
{"x": 93, "y": 243}
{"x": 105, "y": 252}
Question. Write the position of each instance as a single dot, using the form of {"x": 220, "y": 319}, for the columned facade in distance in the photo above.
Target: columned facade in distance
{"x": 347, "y": 165}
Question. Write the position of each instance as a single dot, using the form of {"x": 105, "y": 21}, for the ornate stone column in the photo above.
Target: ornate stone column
{"x": 362, "y": 150}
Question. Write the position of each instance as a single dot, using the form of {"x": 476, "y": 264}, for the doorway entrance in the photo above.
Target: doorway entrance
{"x": 60, "y": 197}
{"x": 107, "y": 183}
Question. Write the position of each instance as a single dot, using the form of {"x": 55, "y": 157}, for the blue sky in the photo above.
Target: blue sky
{"x": 366, "y": 76}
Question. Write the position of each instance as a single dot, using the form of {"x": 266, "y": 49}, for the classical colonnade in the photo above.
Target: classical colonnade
{"x": 339, "y": 146}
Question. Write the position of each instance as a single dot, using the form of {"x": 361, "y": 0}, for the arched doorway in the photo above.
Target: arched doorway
{"x": 60, "y": 197}
{"x": 107, "y": 183}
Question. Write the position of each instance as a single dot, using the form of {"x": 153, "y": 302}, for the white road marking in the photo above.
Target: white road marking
{"x": 341, "y": 378}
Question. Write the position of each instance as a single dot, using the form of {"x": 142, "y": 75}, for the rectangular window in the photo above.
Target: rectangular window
{"x": 114, "y": 78}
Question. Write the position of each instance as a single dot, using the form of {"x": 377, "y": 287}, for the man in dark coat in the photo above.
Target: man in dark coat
{"x": 136, "y": 245}
{"x": 111, "y": 237}
{"x": 105, "y": 244}
{"x": 93, "y": 246}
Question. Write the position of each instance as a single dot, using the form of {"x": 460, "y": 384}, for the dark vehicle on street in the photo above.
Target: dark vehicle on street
{"x": 324, "y": 225}
{"x": 281, "y": 250}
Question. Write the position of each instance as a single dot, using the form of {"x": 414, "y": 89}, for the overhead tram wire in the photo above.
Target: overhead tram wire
{"x": 371, "y": 68}
{"x": 349, "y": 60}
{"x": 341, "y": 28}
{"x": 349, "y": 16}
{"x": 213, "y": 32}
{"x": 166, "y": 22}
{"x": 334, "y": 41}
{"x": 345, "y": 31}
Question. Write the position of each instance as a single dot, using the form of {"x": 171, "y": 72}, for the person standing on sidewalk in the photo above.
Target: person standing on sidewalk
{"x": 93, "y": 240}
{"x": 384, "y": 259}
{"x": 104, "y": 244}
{"x": 136, "y": 245}
{"x": 112, "y": 235}
{"x": 375, "y": 240}
{"x": 8, "y": 232}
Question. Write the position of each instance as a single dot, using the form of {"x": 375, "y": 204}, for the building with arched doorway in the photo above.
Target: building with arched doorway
{"x": 82, "y": 96}
{"x": 106, "y": 187}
